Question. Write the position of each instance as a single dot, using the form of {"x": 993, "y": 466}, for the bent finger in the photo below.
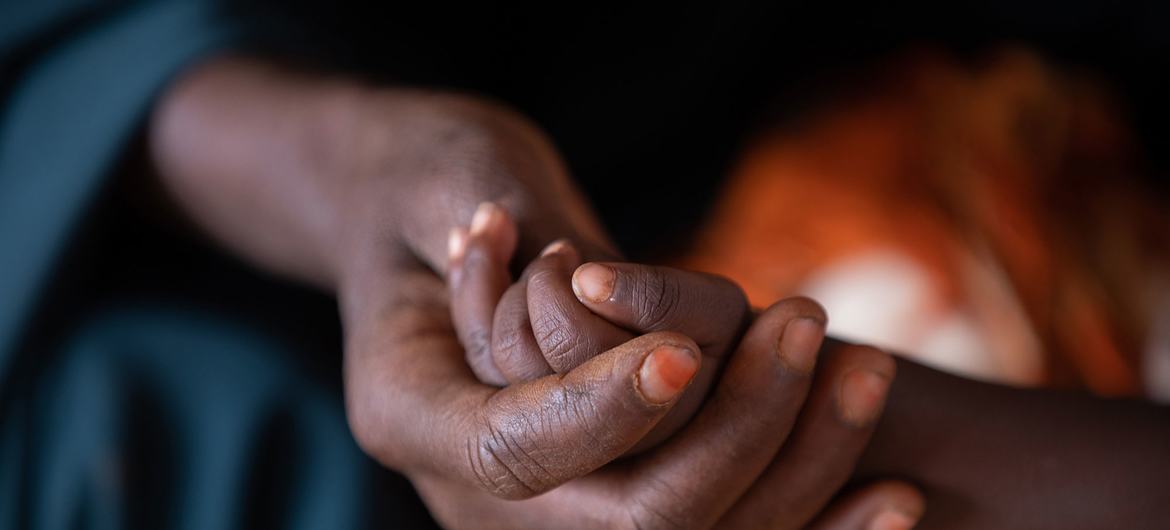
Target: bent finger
{"x": 645, "y": 298}
{"x": 820, "y": 456}
{"x": 477, "y": 278}
{"x": 532, "y": 437}
{"x": 733, "y": 438}
{"x": 567, "y": 332}
{"x": 514, "y": 347}
{"x": 414, "y": 405}
{"x": 886, "y": 505}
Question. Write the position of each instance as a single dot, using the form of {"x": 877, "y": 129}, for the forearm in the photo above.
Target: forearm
{"x": 990, "y": 456}
{"x": 250, "y": 152}
{"x": 294, "y": 172}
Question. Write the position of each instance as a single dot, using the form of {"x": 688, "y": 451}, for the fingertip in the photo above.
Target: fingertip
{"x": 800, "y": 323}
{"x": 891, "y": 519}
{"x": 864, "y": 387}
{"x": 902, "y": 506}
{"x": 564, "y": 252}
{"x": 556, "y": 247}
{"x": 669, "y": 365}
{"x": 666, "y": 371}
{"x": 593, "y": 283}
{"x": 800, "y": 306}
{"x": 492, "y": 224}
{"x": 799, "y": 344}
{"x": 456, "y": 244}
{"x": 485, "y": 215}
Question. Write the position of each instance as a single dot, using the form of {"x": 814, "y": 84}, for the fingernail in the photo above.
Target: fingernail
{"x": 892, "y": 519}
{"x": 593, "y": 282}
{"x": 559, "y": 245}
{"x": 666, "y": 372}
{"x": 800, "y": 343}
{"x": 484, "y": 215}
{"x": 863, "y": 391}
{"x": 456, "y": 244}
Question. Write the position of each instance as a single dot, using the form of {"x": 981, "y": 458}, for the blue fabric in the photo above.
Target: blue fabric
{"x": 162, "y": 416}
{"x": 155, "y": 418}
{"x": 67, "y": 121}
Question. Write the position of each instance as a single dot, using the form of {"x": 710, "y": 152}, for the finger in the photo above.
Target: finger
{"x": 546, "y": 206}
{"x": 514, "y": 347}
{"x": 886, "y": 505}
{"x": 567, "y": 332}
{"x": 696, "y": 476}
{"x": 477, "y": 278}
{"x": 820, "y": 456}
{"x": 643, "y": 298}
{"x": 578, "y": 504}
{"x": 581, "y": 420}
{"x": 415, "y": 406}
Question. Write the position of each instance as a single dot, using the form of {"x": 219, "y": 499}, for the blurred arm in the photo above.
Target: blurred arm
{"x": 990, "y": 456}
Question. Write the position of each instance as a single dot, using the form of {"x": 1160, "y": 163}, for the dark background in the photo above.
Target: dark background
{"x": 650, "y": 100}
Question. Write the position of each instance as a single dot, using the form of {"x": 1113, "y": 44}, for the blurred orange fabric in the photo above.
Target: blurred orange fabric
{"x": 1002, "y": 192}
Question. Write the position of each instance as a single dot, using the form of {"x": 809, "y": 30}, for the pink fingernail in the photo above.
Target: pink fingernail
{"x": 484, "y": 216}
{"x": 666, "y": 372}
{"x": 559, "y": 245}
{"x": 593, "y": 282}
{"x": 863, "y": 392}
{"x": 456, "y": 244}
{"x": 891, "y": 519}
{"x": 800, "y": 343}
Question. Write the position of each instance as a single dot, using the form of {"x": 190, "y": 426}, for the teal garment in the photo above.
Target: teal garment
{"x": 152, "y": 413}
{"x": 64, "y": 125}
{"x": 161, "y": 419}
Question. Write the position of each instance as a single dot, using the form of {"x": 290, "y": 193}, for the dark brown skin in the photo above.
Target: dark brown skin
{"x": 540, "y": 327}
{"x": 354, "y": 189}
{"x": 642, "y": 298}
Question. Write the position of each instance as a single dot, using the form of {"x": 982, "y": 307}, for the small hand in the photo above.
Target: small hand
{"x": 552, "y": 320}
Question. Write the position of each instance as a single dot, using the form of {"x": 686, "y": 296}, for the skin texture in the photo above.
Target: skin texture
{"x": 541, "y": 325}
{"x": 639, "y": 297}
{"x": 354, "y": 189}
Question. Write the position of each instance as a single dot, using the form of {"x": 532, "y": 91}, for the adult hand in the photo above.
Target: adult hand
{"x": 758, "y": 455}
{"x": 354, "y": 189}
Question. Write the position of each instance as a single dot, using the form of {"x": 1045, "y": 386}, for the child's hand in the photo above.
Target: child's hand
{"x": 561, "y": 313}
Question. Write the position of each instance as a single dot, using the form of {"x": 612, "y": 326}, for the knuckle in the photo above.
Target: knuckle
{"x": 645, "y": 517}
{"x": 507, "y": 344}
{"x": 367, "y": 433}
{"x": 541, "y": 278}
{"x": 517, "y": 355}
{"x": 504, "y": 461}
{"x": 580, "y": 409}
{"x": 477, "y": 344}
{"x": 661, "y": 506}
{"x": 560, "y": 342}
{"x": 510, "y": 328}
{"x": 656, "y": 298}
{"x": 512, "y": 342}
